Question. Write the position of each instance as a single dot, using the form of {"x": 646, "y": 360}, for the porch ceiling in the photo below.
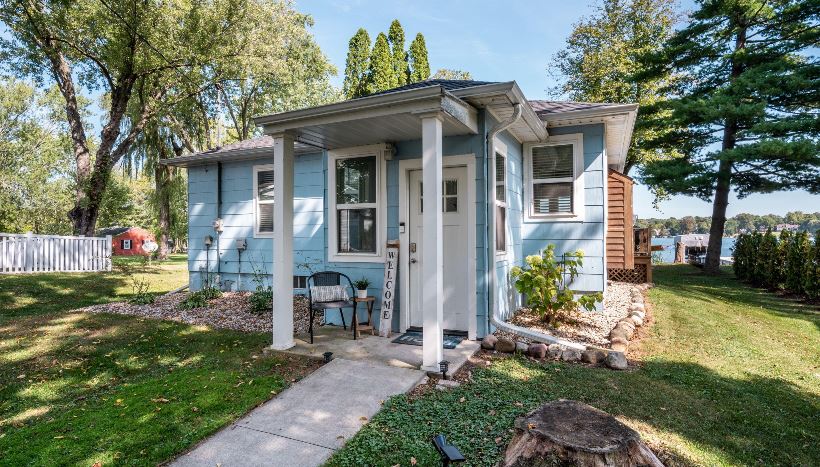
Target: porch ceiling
{"x": 375, "y": 119}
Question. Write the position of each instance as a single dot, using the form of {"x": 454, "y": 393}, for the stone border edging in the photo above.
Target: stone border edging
{"x": 569, "y": 351}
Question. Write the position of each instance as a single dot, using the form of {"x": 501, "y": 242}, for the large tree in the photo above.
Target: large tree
{"x": 745, "y": 112}
{"x": 396, "y": 38}
{"x": 381, "y": 75}
{"x": 448, "y": 73}
{"x": 35, "y": 161}
{"x": 603, "y": 53}
{"x": 418, "y": 64}
{"x": 357, "y": 64}
{"x": 163, "y": 51}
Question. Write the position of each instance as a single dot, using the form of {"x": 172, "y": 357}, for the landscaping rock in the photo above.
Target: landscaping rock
{"x": 565, "y": 432}
{"x": 447, "y": 384}
{"x": 554, "y": 351}
{"x": 637, "y": 307}
{"x": 619, "y": 344}
{"x": 619, "y": 332}
{"x": 593, "y": 356}
{"x": 639, "y": 314}
{"x": 624, "y": 329}
{"x": 637, "y": 320}
{"x": 521, "y": 348}
{"x": 505, "y": 345}
{"x": 489, "y": 341}
{"x": 571, "y": 355}
{"x": 616, "y": 361}
{"x": 537, "y": 350}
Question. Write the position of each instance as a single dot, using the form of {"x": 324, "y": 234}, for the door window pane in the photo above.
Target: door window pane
{"x": 357, "y": 230}
{"x": 449, "y": 196}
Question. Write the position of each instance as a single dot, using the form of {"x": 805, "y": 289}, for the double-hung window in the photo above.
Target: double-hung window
{"x": 555, "y": 187}
{"x": 356, "y": 197}
{"x": 263, "y": 200}
{"x": 500, "y": 203}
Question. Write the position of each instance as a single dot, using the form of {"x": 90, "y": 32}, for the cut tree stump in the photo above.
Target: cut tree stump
{"x": 566, "y": 432}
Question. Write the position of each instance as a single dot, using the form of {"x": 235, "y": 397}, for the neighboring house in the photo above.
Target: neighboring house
{"x": 786, "y": 228}
{"x": 127, "y": 241}
{"x": 328, "y": 186}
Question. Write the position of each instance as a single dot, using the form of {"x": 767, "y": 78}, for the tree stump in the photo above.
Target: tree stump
{"x": 566, "y": 432}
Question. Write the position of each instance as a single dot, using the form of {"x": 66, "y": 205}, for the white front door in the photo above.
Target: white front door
{"x": 457, "y": 259}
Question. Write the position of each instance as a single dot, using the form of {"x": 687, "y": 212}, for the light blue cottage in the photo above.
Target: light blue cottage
{"x": 468, "y": 176}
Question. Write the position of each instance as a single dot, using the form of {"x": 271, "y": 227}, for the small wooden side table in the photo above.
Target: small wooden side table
{"x": 357, "y": 328}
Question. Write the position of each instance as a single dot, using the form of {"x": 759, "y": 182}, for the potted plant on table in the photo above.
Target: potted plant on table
{"x": 361, "y": 287}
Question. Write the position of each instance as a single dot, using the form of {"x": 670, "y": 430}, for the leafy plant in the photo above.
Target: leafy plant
{"x": 362, "y": 284}
{"x": 545, "y": 282}
{"x": 261, "y": 299}
{"x": 200, "y": 298}
{"x": 141, "y": 295}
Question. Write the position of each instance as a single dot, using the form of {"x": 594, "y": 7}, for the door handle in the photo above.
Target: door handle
{"x": 413, "y": 261}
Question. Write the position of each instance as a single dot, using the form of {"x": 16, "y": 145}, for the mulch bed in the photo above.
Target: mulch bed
{"x": 230, "y": 311}
{"x": 587, "y": 327}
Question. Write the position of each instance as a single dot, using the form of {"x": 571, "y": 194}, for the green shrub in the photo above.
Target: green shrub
{"x": 200, "y": 298}
{"x": 141, "y": 295}
{"x": 544, "y": 281}
{"x": 261, "y": 300}
{"x": 791, "y": 262}
{"x": 811, "y": 283}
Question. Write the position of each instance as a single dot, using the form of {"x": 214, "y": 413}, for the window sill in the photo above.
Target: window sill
{"x": 263, "y": 235}
{"x": 556, "y": 218}
{"x": 355, "y": 258}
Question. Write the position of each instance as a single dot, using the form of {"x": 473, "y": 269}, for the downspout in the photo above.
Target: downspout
{"x": 493, "y": 317}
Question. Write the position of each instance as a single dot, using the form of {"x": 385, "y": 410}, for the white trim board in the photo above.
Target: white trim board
{"x": 405, "y": 166}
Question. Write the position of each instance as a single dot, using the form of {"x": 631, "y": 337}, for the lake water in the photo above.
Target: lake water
{"x": 668, "y": 243}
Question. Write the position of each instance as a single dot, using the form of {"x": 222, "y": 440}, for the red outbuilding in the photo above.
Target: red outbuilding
{"x": 128, "y": 241}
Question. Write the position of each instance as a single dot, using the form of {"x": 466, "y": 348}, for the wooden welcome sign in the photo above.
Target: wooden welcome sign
{"x": 391, "y": 269}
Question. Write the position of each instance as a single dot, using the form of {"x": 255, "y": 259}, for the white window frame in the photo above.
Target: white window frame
{"x": 126, "y": 244}
{"x": 378, "y": 151}
{"x": 256, "y": 201}
{"x": 501, "y": 149}
{"x": 577, "y": 214}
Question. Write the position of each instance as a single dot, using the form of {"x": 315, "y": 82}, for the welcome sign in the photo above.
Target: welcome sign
{"x": 391, "y": 269}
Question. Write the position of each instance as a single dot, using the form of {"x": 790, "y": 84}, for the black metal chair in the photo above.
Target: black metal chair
{"x": 329, "y": 278}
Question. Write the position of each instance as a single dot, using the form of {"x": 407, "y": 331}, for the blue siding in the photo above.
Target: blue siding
{"x": 587, "y": 235}
{"x": 507, "y": 299}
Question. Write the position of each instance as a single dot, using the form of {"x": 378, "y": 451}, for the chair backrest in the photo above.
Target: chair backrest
{"x": 326, "y": 278}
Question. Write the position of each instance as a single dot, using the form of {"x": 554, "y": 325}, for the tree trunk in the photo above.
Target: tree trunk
{"x": 719, "y": 206}
{"x": 724, "y": 174}
{"x": 161, "y": 178}
{"x": 566, "y": 432}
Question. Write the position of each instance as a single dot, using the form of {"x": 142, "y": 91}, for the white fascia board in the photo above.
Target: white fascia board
{"x": 430, "y": 99}
{"x": 514, "y": 94}
{"x": 231, "y": 156}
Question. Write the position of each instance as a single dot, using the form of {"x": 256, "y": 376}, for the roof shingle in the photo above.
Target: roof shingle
{"x": 447, "y": 84}
{"x": 542, "y": 107}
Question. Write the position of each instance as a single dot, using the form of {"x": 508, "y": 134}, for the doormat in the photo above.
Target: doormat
{"x": 414, "y": 338}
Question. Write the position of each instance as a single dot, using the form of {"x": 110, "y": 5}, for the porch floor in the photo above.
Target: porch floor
{"x": 374, "y": 348}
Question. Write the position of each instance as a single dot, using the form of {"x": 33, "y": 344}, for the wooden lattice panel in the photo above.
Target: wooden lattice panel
{"x": 637, "y": 275}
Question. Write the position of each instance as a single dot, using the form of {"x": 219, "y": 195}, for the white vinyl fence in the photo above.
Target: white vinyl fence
{"x": 24, "y": 253}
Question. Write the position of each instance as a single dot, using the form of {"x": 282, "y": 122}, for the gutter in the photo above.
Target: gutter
{"x": 493, "y": 318}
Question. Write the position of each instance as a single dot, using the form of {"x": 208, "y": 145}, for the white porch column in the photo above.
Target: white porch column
{"x": 282, "y": 242}
{"x": 432, "y": 242}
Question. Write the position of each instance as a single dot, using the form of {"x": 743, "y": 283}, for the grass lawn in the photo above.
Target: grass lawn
{"x": 78, "y": 388}
{"x": 730, "y": 375}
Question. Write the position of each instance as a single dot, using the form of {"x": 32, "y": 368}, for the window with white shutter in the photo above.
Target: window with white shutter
{"x": 555, "y": 179}
{"x": 263, "y": 199}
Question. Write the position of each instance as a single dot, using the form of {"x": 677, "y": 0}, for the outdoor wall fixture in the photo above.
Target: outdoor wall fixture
{"x": 444, "y": 366}
{"x": 328, "y": 356}
{"x": 448, "y": 452}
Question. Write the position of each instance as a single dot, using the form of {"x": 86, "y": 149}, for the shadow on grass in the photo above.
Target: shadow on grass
{"x": 23, "y": 295}
{"x": 118, "y": 389}
{"x": 691, "y": 282}
{"x": 723, "y": 420}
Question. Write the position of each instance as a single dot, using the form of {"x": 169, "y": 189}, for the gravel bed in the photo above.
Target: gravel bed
{"x": 589, "y": 327}
{"x": 230, "y": 311}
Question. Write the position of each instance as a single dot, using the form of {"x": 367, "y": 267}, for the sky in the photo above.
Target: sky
{"x": 503, "y": 41}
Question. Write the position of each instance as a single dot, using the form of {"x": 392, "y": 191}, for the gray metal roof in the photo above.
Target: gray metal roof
{"x": 550, "y": 107}
{"x": 446, "y": 84}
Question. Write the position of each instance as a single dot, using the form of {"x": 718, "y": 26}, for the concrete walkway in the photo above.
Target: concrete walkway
{"x": 308, "y": 421}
